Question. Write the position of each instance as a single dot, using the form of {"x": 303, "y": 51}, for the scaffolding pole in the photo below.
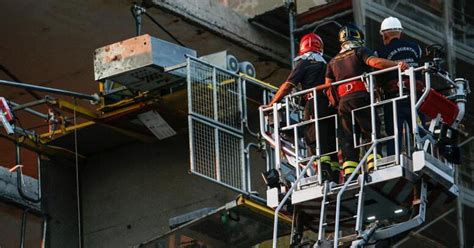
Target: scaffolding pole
{"x": 94, "y": 98}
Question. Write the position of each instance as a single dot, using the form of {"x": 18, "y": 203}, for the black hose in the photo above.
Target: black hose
{"x": 138, "y": 19}
{"x": 15, "y": 78}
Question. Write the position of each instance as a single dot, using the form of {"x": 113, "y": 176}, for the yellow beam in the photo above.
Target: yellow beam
{"x": 126, "y": 110}
{"x": 66, "y": 130}
{"x": 70, "y": 107}
{"x": 261, "y": 209}
{"x": 271, "y": 86}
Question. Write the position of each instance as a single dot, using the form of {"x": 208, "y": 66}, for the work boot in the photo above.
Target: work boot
{"x": 371, "y": 163}
{"x": 329, "y": 169}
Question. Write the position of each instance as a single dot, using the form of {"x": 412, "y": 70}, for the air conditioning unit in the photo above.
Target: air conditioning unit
{"x": 223, "y": 60}
{"x": 247, "y": 68}
{"x": 139, "y": 62}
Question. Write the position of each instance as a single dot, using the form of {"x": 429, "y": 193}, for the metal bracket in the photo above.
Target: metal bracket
{"x": 8, "y": 127}
{"x": 396, "y": 229}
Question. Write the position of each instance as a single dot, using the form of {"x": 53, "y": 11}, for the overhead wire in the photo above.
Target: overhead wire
{"x": 137, "y": 10}
{"x": 76, "y": 157}
{"x": 164, "y": 29}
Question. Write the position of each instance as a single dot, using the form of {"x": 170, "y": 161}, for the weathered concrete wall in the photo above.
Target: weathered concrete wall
{"x": 250, "y": 8}
{"x": 130, "y": 193}
{"x": 9, "y": 189}
{"x": 10, "y": 227}
{"x": 229, "y": 24}
{"x": 60, "y": 205}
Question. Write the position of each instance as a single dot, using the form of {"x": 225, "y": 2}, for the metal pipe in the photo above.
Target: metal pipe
{"x": 339, "y": 194}
{"x": 23, "y": 228}
{"x": 291, "y": 23}
{"x": 297, "y": 157}
{"x": 399, "y": 243}
{"x": 266, "y": 136}
{"x": 414, "y": 126}
{"x": 322, "y": 215}
{"x": 396, "y": 139}
{"x": 287, "y": 111}
{"x": 360, "y": 207}
{"x": 460, "y": 100}
{"x": 94, "y": 98}
{"x": 268, "y": 155}
{"x": 276, "y": 134}
{"x": 29, "y": 110}
{"x": 303, "y": 123}
{"x": 372, "y": 116}
{"x": 19, "y": 177}
{"x": 247, "y": 164}
{"x": 427, "y": 87}
{"x": 43, "y": 236}
{"x": 29, "y": 104}
{"x": 460, "y": 222}
{"x": 38, "y": 165}
{"x": 400, "y": 82}
{"x": 460, "y": 210}
{"x": 190, "y": 108}
{"x": 316, "y": 130}
{"x": 285, "y": 198}
{"x": 449, "y": 36}
{"x": 360, "y": 77}
{"x": 216, "y": 119}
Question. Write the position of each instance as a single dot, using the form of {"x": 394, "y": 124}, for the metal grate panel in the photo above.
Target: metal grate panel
{"x": 215, "y": 125}
{"x": 230, "y": 159}
{"x": 203, "y": 149}
{"x": 217, "y": 154}
{"x": 228, "y": 99}
{"x": 215, "y": 94}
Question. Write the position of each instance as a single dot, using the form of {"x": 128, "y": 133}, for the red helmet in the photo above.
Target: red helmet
{"x": 311, "y": 43}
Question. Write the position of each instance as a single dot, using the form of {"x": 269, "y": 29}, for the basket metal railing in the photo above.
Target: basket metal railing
{"x": 285, "y": 109}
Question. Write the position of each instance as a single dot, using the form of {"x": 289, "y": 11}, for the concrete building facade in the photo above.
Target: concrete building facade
{"x": 123, "y": 191}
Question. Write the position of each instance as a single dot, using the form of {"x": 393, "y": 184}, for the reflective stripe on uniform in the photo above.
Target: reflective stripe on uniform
{"x": 335, "y": 166}
{"x": 370, "y": 161}
{"x": 327, "y": 159}
{"x": 370, "y": 158}
{"x": 349, "y": 167}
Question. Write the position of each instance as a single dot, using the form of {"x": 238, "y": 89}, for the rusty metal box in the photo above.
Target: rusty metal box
{"x": 139, "y": 62}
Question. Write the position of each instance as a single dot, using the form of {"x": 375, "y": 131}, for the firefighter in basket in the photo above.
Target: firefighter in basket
{"x": 354, "y": 59}
{"x": 309, "y": 72}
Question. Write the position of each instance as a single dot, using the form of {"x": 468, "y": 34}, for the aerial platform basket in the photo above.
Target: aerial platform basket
{"x": 369, "y": 205}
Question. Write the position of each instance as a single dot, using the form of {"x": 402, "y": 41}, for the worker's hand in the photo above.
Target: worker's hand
{"x": 268, "y": 105}
{"x": 265, "y": 106}
{"x": 403, "y": 65}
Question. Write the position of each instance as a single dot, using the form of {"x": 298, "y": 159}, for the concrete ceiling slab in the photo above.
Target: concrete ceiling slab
{"x": 51, "y": 43}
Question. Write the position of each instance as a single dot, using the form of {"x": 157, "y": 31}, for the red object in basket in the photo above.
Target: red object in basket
{"x": 436, "y": 103}
{"x": 5, "y": 109}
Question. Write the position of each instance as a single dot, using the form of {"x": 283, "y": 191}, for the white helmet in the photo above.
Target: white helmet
{"x": 390, "y": 23}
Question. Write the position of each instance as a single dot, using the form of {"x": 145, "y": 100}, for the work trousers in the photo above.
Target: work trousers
{"x": 327, "y": 129}
{"x": 362, "y": 124}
